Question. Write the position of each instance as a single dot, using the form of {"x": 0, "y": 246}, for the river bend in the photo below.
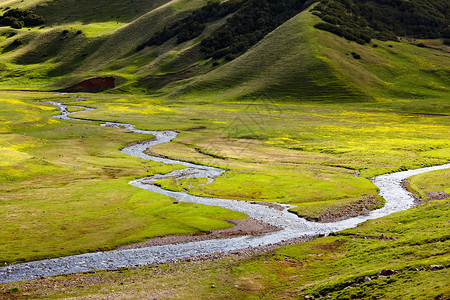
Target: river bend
{"x": 390, "y": 185}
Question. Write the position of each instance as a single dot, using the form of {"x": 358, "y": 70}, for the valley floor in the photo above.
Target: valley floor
{"x": 307, "y": 158}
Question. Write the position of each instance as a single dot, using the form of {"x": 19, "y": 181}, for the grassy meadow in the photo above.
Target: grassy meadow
{"x": 62, "y": 194}
{"x": 295, "y": 120}
{"x": 81, "y": 200}
{"x": 418, "y": 238}
{"x": 433, "y": 182}
{"x": 309, "y": 155}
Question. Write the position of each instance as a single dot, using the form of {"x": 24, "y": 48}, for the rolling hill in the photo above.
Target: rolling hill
{"x": 181, "y": 48}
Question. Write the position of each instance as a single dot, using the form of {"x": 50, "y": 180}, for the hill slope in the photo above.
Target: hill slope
{"x": 166, "y": 47}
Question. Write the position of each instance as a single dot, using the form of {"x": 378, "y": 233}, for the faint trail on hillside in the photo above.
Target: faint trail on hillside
{"x": 292, "y": 227}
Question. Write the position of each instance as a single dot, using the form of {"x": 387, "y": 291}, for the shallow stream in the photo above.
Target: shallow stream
{"x": 390, "y": 185}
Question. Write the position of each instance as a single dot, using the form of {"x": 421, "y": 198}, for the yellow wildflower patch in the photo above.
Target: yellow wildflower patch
{"x": 20, "y": 102}
{"x": 10, "y": 156}
{"x": 144, "y": 109}
{"x": 18, "y": 142}
{"x": 98, "y": 29}
{"x": 279, "y": 141}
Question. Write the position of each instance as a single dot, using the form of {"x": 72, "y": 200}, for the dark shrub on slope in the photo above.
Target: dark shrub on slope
{"x": 18, "y": 18}
{"x": 250, "y": 22}
{"x": 361, "y": 20}
{"x": 193, "y": 25}
{"x": 249, "y": 25}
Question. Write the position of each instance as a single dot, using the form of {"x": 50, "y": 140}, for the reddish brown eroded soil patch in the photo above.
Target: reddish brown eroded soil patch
{"x": 242, "y": 227}
{"x": 269, "y": 204}
{"x": 329, "y": 246}
{"x": 93, "y": 85}
{"x": 439, "y": 195}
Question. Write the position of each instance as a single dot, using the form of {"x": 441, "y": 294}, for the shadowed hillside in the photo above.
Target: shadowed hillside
{"x": 286, "y": 63}
{"x": 181, "y": 48}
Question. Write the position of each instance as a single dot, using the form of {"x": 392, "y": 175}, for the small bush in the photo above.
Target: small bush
{"x": 16, "y": 24}
{"x": 348, "y": 33}
{"x": 12, "y": 291}
{"x": 17, "y": 42}
{"x": 140, "y": 47}
{"x": 384, "y": 19}
{"x": 18, "y": 18}
{"x": 356, "y": 55}
{"x": 230, "y": 56}
{"x": 7, "y": 21}
{"x": 421, "y": 45}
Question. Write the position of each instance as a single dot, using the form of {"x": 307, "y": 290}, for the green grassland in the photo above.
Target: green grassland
{"x": 47, "y": 159}
{"x": 423, "y": 184}
{"x": 63, "y": 194}
{"x": 325, "y": 266}
{"x": 264, "y": 159}
{"x": 292, "y": 120}
{"x": 269, "y": 159}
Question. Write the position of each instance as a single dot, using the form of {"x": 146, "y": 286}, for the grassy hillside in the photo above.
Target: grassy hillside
{"x": 294, "y": 62}
{"x": 284, "y": 64}
{"x": 79, "y": 49}
{"x": 299, "y": 63}
{"x": 103, "y": 11}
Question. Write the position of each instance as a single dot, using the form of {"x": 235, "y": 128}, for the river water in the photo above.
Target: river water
{"x": 390, "y": 185}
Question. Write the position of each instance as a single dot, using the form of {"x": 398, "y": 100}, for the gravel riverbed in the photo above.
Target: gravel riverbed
{"x": 290, "y": 226}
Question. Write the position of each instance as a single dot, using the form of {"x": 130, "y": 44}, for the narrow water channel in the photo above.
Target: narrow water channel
{"x": 291, "y": 226}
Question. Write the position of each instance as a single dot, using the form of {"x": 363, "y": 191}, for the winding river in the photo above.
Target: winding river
{"x": 390, "y": 185}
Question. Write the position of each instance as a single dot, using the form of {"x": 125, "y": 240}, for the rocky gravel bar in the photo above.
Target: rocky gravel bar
{"x": 291, "y": 226}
